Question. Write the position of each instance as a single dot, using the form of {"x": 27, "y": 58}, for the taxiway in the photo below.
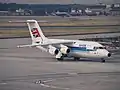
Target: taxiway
{"x": 32, "y": 69}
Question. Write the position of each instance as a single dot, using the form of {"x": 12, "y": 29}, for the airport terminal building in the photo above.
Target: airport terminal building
{"x": 66, "y": 10}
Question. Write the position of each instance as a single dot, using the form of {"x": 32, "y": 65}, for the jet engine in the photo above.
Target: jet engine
{"x": 53, "y": 50}
{"x": 64, "y": 49}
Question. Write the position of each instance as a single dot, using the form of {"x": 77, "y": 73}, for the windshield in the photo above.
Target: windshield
{"x": 99, "y": 47}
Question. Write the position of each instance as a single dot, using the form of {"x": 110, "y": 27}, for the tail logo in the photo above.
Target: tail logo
{"x": 35, "y": 32}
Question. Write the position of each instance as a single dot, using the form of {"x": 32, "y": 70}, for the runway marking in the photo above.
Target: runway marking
{"x": 50, "y": 86}
{"x": 42, "y": 83}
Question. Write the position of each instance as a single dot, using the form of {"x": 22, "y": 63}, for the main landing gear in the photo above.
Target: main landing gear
{"x": 60, "y": 59}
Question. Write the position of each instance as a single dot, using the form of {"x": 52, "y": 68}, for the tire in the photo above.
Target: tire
{"x": 76, "y": 58}
{"x": 60, "y": 59}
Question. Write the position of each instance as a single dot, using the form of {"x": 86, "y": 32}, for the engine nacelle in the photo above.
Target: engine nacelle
{"x": 64, "y": 49}
{"x": 53, "y": 50}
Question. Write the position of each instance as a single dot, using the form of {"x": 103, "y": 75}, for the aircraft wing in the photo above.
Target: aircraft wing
{"x": 57, "y": 43}
{"x": 53, "y": 43}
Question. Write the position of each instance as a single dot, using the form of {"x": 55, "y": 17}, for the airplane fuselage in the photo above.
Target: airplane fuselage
{"x": 82, "y": 49}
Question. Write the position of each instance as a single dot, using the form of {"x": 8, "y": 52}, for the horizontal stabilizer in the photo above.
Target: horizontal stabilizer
{"x": 22, "y": 46}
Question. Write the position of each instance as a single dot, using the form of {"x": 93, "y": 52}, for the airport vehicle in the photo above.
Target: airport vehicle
{"x": 62, "y": 48}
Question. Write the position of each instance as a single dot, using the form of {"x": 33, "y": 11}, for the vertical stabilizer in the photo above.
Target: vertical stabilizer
{"x": 35, "y": 31}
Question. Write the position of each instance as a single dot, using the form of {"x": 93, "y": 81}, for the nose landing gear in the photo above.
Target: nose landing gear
{"x": 76, "y": 58}
{"x": 60, "y": 59}
{"x": 102, "y": 60}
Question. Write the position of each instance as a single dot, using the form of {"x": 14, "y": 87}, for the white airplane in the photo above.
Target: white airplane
{"x": 61, "y": 48}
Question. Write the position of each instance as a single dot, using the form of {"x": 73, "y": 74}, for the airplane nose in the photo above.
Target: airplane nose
{"x": 109, "y": 54}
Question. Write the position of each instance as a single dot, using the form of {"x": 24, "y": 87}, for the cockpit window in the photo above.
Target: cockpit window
{"x": 99, "y": 47}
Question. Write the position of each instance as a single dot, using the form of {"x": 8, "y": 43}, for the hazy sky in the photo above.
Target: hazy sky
{"x": 61, "y": 1}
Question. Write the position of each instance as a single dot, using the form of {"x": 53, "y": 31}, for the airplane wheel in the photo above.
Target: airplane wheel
{"x": 60, "y": 59}
{"x": 76, "y": 58}
{"x": 102, "y": 60}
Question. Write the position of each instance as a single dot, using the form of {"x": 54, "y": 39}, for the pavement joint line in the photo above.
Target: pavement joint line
{"x": 3, "y": 83}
